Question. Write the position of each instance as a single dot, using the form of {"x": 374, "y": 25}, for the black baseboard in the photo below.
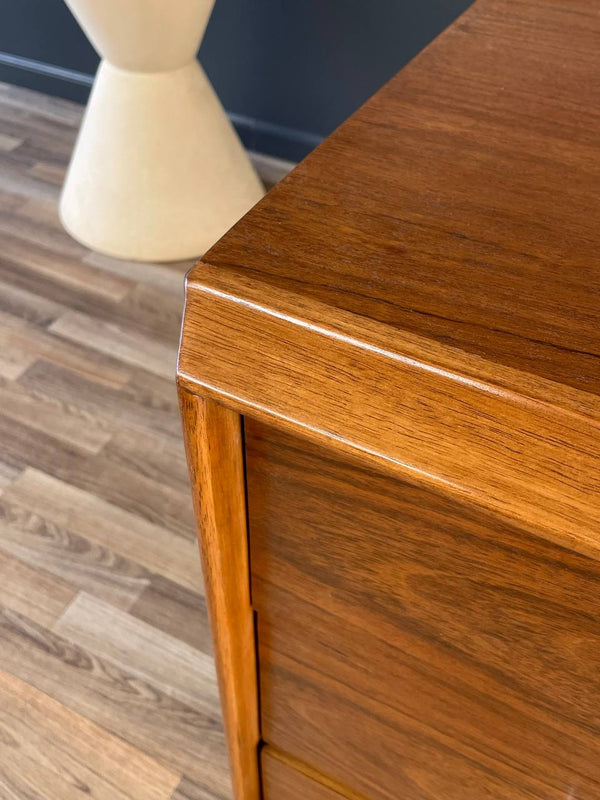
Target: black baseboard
{"x": 256, "y": 134}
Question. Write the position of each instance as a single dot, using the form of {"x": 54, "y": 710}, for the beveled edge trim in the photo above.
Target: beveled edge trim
{"x": 520, "y": 446}
{"x": 425, "y": 353}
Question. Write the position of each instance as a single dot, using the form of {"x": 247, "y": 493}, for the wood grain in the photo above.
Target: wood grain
{"x": 461, "y": 202}
{"x": 99, "y": 475}
{"x": 7, "y": 475}
{"x": 51, "y": 173}
{"x": 284, "y": 779}
{"x": 27, "y": 305}
{"x": 111, "y": 339}
{"x": 189, "y": 790}
{"x": 33, "y": 592}
{"x": 144, "y": 405}
{"x": 69, "y": 424}
{"x": 213, "y": 440}
{"x": 176, "y": 668}
{"x": 158, "y": 275}
{"x": 65, "y": 271}
{"x": 23, "y": 344}
{"x": 153, "y": 455}
{"x": 9, "y": 143}
{"x": 50, "y": 751}
{"x": 520, "y": 446}
{"x": 81, "y": 563}
{"x": 116, "y": 699}
{"x": 411, "y": 647}
{"x": 107, "y": 525}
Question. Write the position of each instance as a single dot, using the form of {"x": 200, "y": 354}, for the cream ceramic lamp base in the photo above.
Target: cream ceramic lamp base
{"x": 158, "y": 173}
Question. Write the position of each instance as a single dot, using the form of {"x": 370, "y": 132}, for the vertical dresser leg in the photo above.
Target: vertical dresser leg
{"x": 213, "y": 442}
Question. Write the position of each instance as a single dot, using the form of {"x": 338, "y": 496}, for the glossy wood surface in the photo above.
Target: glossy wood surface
{"x": 411, "y": 647}
{"x": 460, "y": 203}
{"x": 525, "y": 448}
{"x": 282, "y": 779}
{"x": 213, "y": 441}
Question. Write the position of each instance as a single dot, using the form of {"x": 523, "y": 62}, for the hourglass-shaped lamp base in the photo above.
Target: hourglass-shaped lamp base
{"x": 158, "y": 173}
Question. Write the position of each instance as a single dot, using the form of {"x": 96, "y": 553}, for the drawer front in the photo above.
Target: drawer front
{"x": 280, "y": 781}
{"x": 412, "y": 647}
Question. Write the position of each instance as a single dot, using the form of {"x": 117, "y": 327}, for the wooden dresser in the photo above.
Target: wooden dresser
{"x": 390, "y": 384}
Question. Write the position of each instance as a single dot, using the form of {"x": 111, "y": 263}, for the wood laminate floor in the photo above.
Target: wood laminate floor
{"x": 107, "y": 684}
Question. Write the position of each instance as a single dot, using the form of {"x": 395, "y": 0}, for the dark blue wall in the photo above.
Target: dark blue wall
{"x": 288, "y": 71}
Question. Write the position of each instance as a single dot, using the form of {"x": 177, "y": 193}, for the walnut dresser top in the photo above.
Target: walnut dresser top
{"x": 462, "y": 202}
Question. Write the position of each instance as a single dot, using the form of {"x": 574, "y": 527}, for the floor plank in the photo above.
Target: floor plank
{"x": 33, "y": 231}
{"x": 115, "y": 483}
{"x": 154, "y": 547}
{"x": 24, "y": 343}
{"x": 63, "y": 270}
{"x": 51, "y": 173}
{"x": 158, "y": 458}
{"x": 145, "y": 404}
{"x": 188, "y": 790}
{"x": 50, "y": 751}
{"x": 170, "y": 732}
{"x": 109, "y": 688}
{"x": 28, "y": 305}
{"x": 175, "y": 610}
{"x": 153, "y": 312}
{"x": 33, "y": 592}
{"x": 165, "y": 277}
{"x": 80, "y": 562}
{"x": 68, "y": 423}
{"x": 53, "y": 108}
{"x": 112, "y": 339}
{"x": 156, "y": 657}
{"x": 15, "y": 180}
